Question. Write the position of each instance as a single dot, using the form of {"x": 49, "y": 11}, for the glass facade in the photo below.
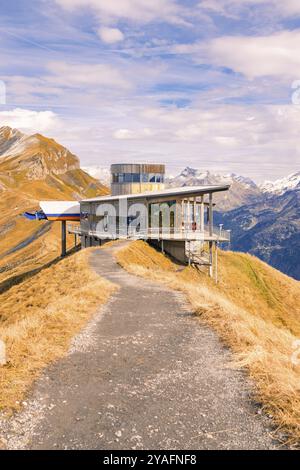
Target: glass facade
{"x": 137, "y": 177}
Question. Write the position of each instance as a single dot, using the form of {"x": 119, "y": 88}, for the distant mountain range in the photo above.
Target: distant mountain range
{"x": 264, "y": 219}
{"x": 282, "y": 185}
{"x": 243, "y": 190}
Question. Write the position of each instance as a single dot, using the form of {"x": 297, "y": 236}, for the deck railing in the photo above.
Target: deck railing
{"x": 187, "y": 233}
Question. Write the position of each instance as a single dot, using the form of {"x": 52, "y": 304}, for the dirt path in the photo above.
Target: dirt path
{"x": 145, "y": 374}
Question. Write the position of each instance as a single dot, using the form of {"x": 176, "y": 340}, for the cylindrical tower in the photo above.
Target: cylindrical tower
{"x": 132, "y": 178}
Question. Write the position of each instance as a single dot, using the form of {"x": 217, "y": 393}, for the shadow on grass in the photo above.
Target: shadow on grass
{"x": 37, "y": 234}
{"x": 15, "y": 280}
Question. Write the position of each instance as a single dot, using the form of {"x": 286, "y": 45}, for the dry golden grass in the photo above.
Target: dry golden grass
{"x": 254, "y": 309}
{"x": 39, "y": 318}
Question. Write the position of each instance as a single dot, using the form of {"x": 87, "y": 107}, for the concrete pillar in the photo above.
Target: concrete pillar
{"x": 182, "y": 214}
{"x": 211, "y": 260}
{"x": 188, "y": 213}
{"x": 194, "y": 209}
{"x": 211, "y": 226}
{"x": 211, "y": 215}
{"x": 63, "y": 238}
{"x": 202, "y": 225}
{"x": 216, "y": 263}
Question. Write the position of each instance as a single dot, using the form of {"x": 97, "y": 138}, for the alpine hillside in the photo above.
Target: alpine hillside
{"x": 34, "y": 168}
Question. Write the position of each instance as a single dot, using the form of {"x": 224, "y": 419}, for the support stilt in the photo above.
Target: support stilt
{"x": 211, "y": 260}
{"x": 63, "y": 238}
{"x": 210, "y": 225}
{"x": 216, "y": 263}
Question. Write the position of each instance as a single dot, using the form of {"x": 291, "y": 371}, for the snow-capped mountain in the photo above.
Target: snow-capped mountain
{"x": 101, "y": 173}
{"x": 282, "y": 185}
{"x": 193, "y": 176}
{"x": 243, "y": 190}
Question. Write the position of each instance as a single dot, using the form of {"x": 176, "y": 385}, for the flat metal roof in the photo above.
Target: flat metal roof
{"x": 182, "y": 191}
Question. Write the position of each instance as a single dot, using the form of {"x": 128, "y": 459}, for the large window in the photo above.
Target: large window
{"x": 137, "y": 178}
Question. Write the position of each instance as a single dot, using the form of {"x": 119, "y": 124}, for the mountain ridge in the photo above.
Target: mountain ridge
{"x": 34, "y": 168}
{"x": 34, "y": 155}
{"x": 242, "y": 189}
{"x": 282, "y": 185}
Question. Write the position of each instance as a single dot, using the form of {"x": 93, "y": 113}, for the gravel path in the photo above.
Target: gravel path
{"x": 144, "y": 374}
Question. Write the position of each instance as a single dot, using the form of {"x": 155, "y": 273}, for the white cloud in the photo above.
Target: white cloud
{"x": 253, "y": 56}
{"x": 259, "y": 141}
{"x": 110, "y": 35}
{"x": 30, "y": 121}
{"x": 97, "y": 75}
{"x": 231, "y": 8}
{"x": 143, "y": 11}
{"x": 127, "y": 134}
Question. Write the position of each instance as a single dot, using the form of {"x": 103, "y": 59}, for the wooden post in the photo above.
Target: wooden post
{"x": 63, "y": 238}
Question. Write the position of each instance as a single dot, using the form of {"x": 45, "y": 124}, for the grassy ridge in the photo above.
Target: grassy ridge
{"x": 254, "y": 309}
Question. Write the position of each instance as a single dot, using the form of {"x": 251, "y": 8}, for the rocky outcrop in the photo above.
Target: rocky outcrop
{"x": 33, "y": 157}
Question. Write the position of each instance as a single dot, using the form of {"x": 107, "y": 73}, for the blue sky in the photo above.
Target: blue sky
{"x": 200, "y": 83}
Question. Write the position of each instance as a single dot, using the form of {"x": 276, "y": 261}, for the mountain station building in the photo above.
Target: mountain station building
{"x": 177, "y": 220}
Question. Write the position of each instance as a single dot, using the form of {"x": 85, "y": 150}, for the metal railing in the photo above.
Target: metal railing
{"x": 74, "y": 228}
{"x": 188, "y": 232}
